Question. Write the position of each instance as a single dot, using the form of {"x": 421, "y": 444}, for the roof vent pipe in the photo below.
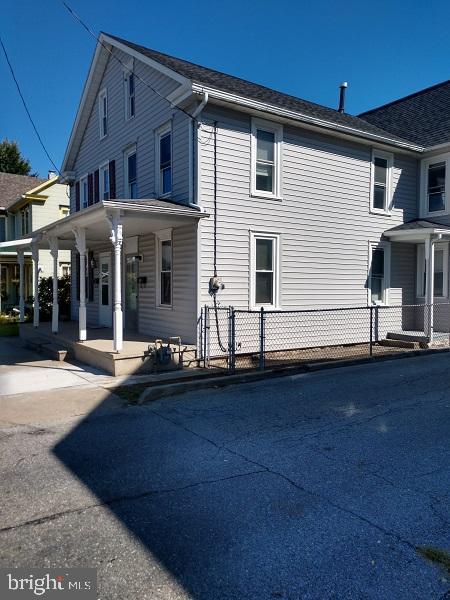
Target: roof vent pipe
{"x": 342, "y": 89}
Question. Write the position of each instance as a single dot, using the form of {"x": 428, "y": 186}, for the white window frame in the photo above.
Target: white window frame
{"x": 277, "y": 129}
{"x": 102, "y": 168}
{"x": 164, "y": 235}
{"x": 389, "y": 157}
{"x": 426, "y": 163}
{"x": 386, "y": 247}
{"x": 159, "y": 133}
{"x": 84, "y": 198}
{"x": 420, "y": 270}
{"x": 127, "y": 153}
{"x": 276, "y": 238}
{"x": 103, "y": 95}
{"x": 129, "y": 70}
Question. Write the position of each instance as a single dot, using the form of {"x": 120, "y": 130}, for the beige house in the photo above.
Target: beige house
{"x": 26, "y": 204}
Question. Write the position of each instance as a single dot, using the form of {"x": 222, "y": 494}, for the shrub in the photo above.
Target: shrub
{"x": 46, "y": 297}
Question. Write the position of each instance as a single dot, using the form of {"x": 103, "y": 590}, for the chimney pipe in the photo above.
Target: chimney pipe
{"x": 342, "y": 89}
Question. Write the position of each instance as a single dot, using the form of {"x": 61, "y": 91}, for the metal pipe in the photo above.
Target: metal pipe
{"x": 342, "y": 90}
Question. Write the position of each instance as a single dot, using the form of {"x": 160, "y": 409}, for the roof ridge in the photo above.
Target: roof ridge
{"x": 189, "y": 62}
{"x": 399, "y": 100}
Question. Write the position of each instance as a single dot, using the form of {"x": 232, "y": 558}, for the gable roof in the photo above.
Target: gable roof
{"x": 247, "y": 89}
{"x": 195, "y": 78}
{"x": 12, "y": 187}
{"x": 422, "y": 117}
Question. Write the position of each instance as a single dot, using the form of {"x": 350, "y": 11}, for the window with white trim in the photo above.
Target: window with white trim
{"x": 25, "y": 217}
{"x": 379, "y": 273}
{"x": 164, "y": 268}
{"x": 265, "y": 270}
{"x": 103, "y": 112}
{"x": 130, "y": 95}
{"x": 381, "y": 182}
{"x": 84, "y": 192}
{"x": 266, "y": 159}
{"x": 164, "y": 160}
{"x": 440, "y": 271}
{"x": 436, "y": 174}
{"x": 104, "y": 182}
{"x": 131, "y": 189}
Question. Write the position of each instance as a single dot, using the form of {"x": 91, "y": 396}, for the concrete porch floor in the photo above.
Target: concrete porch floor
{"x": 97, "y": 350}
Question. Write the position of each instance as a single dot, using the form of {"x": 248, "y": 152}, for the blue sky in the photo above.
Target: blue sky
{"x": 385, "y": 50}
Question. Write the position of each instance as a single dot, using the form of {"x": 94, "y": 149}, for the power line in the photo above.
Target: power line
{"x": 26, "y": 107}
{"x": 124, "y": 65}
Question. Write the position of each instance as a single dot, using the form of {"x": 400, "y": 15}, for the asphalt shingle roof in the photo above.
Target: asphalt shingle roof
{"x": 418, "y": 224}
{"x": 13, "y": 186}
{"x": 422, "y": 117}
{"x": 247, "y": 89}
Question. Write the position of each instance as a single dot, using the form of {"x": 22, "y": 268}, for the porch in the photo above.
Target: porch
{"x": 135, "y": 268}
{"x": 136, "y": 356}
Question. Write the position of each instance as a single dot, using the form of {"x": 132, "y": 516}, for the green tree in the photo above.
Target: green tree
{"x": 11, "y": 159}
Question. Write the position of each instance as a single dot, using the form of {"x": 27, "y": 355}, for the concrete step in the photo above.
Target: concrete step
{"x": 407, "y": 337}
{"x": 49, "y": 349}
{"x": 399, "y": 343}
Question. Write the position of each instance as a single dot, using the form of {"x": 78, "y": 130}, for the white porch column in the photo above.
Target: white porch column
{"x": 429, "y": 291}
{"x": 80, "y": 243}
{"x": 35, "y": 254}
{"x": 117, "y": 239}
{"x": 21, "y": 260}
{"x": 53, "y": 244}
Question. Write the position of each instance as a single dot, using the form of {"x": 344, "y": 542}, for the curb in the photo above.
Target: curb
{"x": 171, "y": 389}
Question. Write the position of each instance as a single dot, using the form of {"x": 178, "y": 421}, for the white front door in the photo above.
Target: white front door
{"x": 105, "y": 291}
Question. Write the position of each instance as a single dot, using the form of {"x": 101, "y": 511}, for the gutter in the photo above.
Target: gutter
{"x": 296, "y": 116}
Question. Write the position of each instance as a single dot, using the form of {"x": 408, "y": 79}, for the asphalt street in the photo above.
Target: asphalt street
{"x": 316, "y": 486}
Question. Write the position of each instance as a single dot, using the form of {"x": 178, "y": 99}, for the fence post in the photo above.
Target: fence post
{"x": 262, "y": 341}
{"x": 371, "y": 331}
{"x": 205, "y": 341}
{"x": 232, "y": 341}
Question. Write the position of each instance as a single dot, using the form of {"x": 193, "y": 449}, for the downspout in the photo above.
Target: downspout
{"x": 194, "y": 153}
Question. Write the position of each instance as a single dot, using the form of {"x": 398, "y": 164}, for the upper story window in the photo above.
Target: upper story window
{"x": 164, "y": 160}
{"x": 379, "y": 273}
{"x": 103, "y": 112}
{"x": 131, "y": 190}
{"x": 104, "y": 182}
{"x": 84, "y": 194}
{"x": 436, "y": 187}
{"x": 130, "y": 98}
{"x": 265, "y": 275}
{"x": 25, "y": 219}
{"x": 266, "y": 159}
{"x": 381, "y": 184}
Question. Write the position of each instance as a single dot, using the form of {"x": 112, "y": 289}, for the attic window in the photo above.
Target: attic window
{"x": 103, "y": 113}
{"x": 130, "y": 104}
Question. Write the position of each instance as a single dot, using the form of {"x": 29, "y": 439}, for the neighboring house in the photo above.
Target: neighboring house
{"x": 26, "y": 204}
{"x": 290, "y": 203}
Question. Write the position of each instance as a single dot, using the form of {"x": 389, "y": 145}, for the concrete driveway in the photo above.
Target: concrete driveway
{"x": 317, "y": 486}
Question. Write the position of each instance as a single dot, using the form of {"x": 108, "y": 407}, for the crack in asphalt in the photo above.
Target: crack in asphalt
{"x": 119, "y": 499}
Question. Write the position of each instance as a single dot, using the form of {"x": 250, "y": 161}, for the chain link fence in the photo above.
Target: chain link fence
{"x": 235, "y": 339}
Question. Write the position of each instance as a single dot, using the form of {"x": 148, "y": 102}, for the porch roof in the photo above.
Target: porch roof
{"x": 137, "y": 216}
{"x": 416, "y": 231}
